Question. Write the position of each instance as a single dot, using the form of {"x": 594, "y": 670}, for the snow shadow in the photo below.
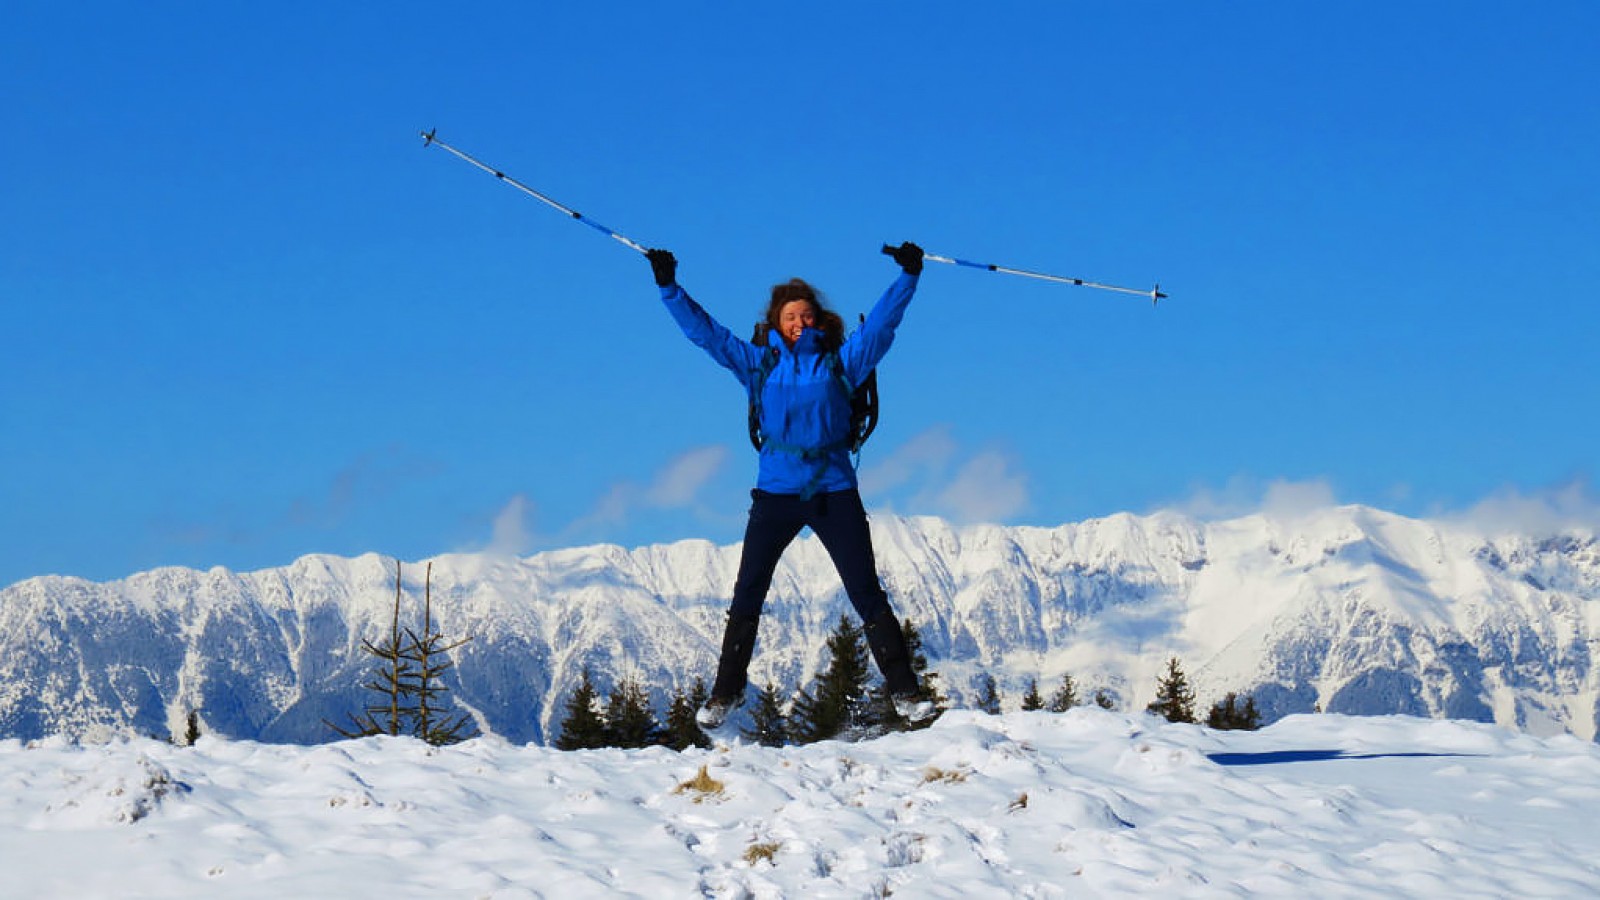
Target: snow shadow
{"x": 1276, "y": 757}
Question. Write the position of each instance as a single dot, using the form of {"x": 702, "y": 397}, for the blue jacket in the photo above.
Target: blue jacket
{"x": 802, "y": 403}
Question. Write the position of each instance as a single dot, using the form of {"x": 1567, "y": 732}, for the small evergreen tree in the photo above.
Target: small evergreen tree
{"x": 1228, "y": 715}
{"x": 699, "y": 693}
{"x": 683, "y": 731}
{"x": 1065, "y": 696}
{"x": 927, "y": 679}
{"x": 1103, "y": 700}
{"x": 1174, "y": 698}
{"x": 988, "y": 695}
{"x": 393, "y": 682}
{"x": 191, "y": 731}
{"x": 840, "y": 691}
{"x": 811, "y": 719}
{"x": 1030, "y": 698}
{"x": 408, "y": 680}
{"x": 767, "y": 725}
{"x": 433, "y": 722}
{"x": 583, "y": 728}
{"x": 629, "y": 720}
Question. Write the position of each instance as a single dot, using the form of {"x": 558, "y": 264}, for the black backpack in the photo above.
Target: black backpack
{"x": 863, "y": 396}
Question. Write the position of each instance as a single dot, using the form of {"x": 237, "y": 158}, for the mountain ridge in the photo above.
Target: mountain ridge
{"x": 1346, "y": 609}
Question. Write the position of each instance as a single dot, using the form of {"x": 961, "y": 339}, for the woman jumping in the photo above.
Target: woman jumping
{"x": 800, "y": 381}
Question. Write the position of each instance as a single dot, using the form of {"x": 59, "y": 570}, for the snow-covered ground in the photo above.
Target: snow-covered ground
{"x": 1087, "y": 803}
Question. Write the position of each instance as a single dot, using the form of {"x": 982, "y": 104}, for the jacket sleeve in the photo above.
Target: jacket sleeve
{"x": 865, "y": 349}
{"x": 737, "y": 356}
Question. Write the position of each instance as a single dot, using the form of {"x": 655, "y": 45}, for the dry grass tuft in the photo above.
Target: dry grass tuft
{"x": 947, "y": 776}
{"x": 702, "y": 785}
{"x": 763, "y": 851}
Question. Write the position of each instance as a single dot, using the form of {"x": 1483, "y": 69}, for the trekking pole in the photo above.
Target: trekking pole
{"x": 1154, "y": 294}
{"x": 429, "y": 138}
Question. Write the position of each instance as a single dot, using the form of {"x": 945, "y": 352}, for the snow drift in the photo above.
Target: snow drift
{"x": 1082, "y": 804}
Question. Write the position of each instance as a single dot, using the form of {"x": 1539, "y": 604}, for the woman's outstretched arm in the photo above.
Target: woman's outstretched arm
{"x": 865, "y": 349}
{"x": 737, "y": 356}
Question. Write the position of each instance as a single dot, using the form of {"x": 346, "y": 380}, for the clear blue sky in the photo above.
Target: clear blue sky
{"x": 247, "y": 316}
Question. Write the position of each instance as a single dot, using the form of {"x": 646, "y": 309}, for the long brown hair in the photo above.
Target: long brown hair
{"x": 828, "y": 321}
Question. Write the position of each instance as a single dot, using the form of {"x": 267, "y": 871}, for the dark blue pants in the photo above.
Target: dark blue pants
{"x": 838, "y": 520}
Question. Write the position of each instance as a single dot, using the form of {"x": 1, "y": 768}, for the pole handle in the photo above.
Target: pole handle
{"x": 888, "y": 250}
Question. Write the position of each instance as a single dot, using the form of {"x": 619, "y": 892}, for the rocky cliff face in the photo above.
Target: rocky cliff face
{"x": 1349, "y": 610}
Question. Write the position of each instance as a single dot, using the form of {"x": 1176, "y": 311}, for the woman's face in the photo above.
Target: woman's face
{"x": 794, "y": 317}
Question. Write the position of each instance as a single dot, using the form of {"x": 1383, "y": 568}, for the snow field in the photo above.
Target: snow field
{"x": 1087, "y": 803}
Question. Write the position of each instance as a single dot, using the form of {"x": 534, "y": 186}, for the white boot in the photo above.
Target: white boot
{"x": 913, "y": 709}
{"x": 715, "y": 712}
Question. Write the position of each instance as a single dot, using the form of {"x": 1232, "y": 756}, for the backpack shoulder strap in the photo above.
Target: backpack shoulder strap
{"x": 863, "y": 402}
{"x": 758, "y": 381}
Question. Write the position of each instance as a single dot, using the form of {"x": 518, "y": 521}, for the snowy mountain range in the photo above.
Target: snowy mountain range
{"x": 1349, "y": 609}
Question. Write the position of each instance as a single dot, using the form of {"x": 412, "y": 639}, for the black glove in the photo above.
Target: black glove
{"x": 665, "y": 266}
{"x": 908, "y": 255}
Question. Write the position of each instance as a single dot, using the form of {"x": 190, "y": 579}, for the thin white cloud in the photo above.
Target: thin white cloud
{"x": 927, "y": 455}
{"x": 1571, "y": 506}
{"x": 931, "y": 473}
{"x": 987, "y": 488}
{"x": 366, "y": 479}
{"x": 359, "y": 484}
{"x": 610, "y": 511}
{"x": 678, "y": 484}
{"x": 1294, "y": 499}
{"x": 1238, "y": 497}
{"x": 1279, "y": 498}
{"x": 513, "y": 528}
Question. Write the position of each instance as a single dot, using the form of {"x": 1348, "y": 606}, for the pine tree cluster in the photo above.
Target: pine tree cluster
{"x": 626, "y": 719}
{"x": 1175, "y": 700}
{"x": 1229, "y": 715}
{"x": 842, "y": 703}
